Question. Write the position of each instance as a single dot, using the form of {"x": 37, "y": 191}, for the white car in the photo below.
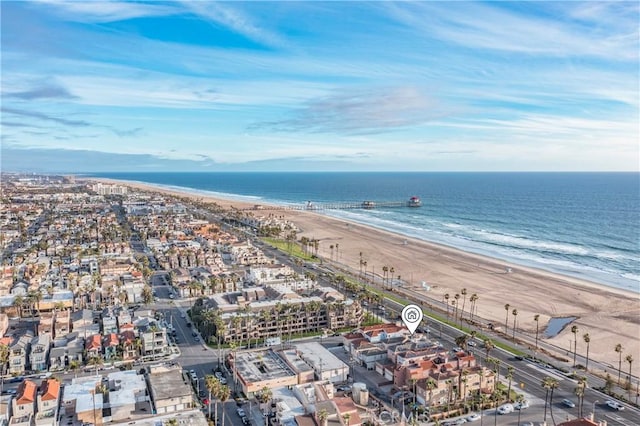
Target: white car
{"x": 615, "y": 405}
{"x": 521, "y": 405}
{"x": 473, "y": 417}
{"x": 505, "y": 409}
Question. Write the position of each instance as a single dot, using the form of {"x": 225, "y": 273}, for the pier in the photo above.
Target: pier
{"x": 367, "y": 205}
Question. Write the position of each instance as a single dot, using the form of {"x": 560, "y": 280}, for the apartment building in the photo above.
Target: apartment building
{"x": 277, "y": 311}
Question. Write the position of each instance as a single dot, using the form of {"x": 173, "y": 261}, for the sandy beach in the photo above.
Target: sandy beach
{"x": 609, "y": 315}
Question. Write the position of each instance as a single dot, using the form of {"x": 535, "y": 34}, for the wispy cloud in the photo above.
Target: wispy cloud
{"x": 103, "y": 11}
{"x": 43, "y": 91}
{"x": 497, "y": 28}
{"x": 361, "y": 111}
{"x": 234, "y": 19}
{"x": 45, "y": 117}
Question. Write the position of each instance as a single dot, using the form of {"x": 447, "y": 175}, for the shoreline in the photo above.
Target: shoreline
{"x": 610, "y": 315}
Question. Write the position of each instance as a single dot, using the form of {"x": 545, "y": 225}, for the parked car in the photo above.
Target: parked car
{"x": 241, "y": 412}
{"x": 569, "y": 403}
{"x": 615, "y": 405}
{"x": 473, "y": 417}
{"x": 505, "y": 409}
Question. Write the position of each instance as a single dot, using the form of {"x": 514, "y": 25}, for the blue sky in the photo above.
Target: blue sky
{"x": 126, "y": 86}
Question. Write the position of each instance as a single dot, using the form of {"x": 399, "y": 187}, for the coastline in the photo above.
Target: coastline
{"x": 608, "y": 314}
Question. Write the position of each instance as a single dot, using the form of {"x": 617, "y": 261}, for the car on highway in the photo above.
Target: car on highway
{"x": 569, "y": 403}
{"x": 471, "y": 343}
{"x": 473, "y": 417}
{"x": 521, "y": 405}
{"x": 505, "y": 409}
{"x": 455, "y": 422}
{"x": 615, "y": 405}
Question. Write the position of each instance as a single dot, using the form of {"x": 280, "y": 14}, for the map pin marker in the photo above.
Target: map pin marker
{"x": 411, "y": 316}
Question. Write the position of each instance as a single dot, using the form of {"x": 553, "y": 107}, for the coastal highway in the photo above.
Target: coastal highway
{"x": 527, "y": 375}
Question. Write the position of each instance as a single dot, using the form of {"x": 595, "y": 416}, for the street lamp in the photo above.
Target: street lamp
{"x": 593, "y": 409}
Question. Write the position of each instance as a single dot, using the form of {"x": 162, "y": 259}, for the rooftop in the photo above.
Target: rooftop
{"x": 168, "y": 383}
{"x": 262, "y": 365}
{"x": 319, "y": 357}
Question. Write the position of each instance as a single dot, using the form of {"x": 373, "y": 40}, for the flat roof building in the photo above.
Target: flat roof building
{"x": 325, "y": 365}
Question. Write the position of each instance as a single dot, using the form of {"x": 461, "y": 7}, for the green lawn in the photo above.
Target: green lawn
{"x": 291, "y": 248}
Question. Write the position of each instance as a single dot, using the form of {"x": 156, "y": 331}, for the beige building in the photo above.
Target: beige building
{"x": 170, "y": 391}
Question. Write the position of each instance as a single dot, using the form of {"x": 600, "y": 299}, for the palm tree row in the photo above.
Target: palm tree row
{"x": 218, "y": 391}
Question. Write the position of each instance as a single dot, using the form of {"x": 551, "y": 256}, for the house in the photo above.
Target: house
{"x": 6, "y": 410}
{"x": 154, "y": 341}
{"x": 124, "y": 317}
{"x": 169, "y": 389}
{"x": 39, "y": 355}
{"x": 110, "y": 344}
{"x": 24, "y": 404}
{"x": 129, "y": 345}
{"x": 93, "y": 346}
{"x": 47, "y": 402}
{"x": 127, "y": 394}
{"x": 81, "y": 399}
{"x": 65, "y": 350}
{"x": 45, "y": 326}
{"x": 18, "y": 353}
{"x": 82, "y": 323}
{"x": 4, "y": 323}
{"x": 62, "y": 323}
{"x": 109, "y": 324}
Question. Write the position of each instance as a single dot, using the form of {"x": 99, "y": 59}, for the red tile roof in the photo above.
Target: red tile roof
{"x": 26, "y": 393}
{"x": 111, "y": 340}
{"x": 50, "y": 389}
{"x": 93, "y": 342}
{"x": 128, "y": 336}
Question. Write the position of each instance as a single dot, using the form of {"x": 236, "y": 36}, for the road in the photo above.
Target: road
{"x": 527, "y": 376}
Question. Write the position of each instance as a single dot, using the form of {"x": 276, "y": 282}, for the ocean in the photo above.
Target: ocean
{"x": 585, "y": 225}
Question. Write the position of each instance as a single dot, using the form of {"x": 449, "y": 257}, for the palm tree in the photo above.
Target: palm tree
{"x": 96, "y": 362}
{"x": 211, "y": 383}
{"x": 587, "y": 340}
{"x": 430, "y": 385}
{"x": 74, "y": 366}
{"x": 322, "y": 417}
{"x": 346, "y": 418}
{"x": 4, "y": 358}
{"x": 456, "y": 297}
{"x": 172, "y": 422}
{"x": 473, "y": 299}
{"x": 536, "y": 318}
{"x": 629, "y": 359}
{"x": 550, "y": 384}
{"x": 618, "y": 349}
{"x": 446, "y": 298}
{"x": 509, "y": 377}
{"x": 463, "y": 292}
{"x": 574, "y": 330}
{"x": 519, "y": 399}
{"x": 515, "y": 315}
{"x": 506, "y": 319}
{"x": 579, "y": 391}
{"x": 488, "y": 347}
{"x": 462, "y": 341}
{"x": 223, "y": 394}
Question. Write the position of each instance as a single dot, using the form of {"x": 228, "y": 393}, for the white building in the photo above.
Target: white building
{"x": 325, "y": 364}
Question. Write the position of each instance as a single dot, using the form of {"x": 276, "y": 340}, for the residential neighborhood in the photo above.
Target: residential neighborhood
{"x": 121, "y": 305}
